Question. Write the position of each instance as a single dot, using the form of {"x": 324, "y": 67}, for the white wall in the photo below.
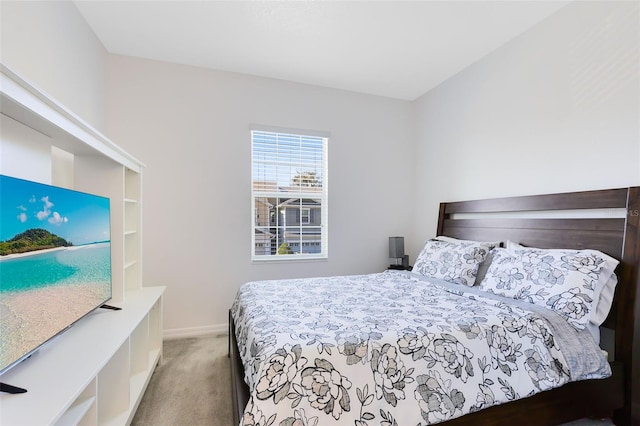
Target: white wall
{"x": 556, "y": 109}
{"x": 191, "y": 128}
{"x": 50, "y": 44}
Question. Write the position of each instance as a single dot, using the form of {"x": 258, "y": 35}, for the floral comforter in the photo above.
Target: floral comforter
{"x": 395, "y": 349}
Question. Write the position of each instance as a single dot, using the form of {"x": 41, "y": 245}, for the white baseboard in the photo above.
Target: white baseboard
{"x": 178, "y": 333}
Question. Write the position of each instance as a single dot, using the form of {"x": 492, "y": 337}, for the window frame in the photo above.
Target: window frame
{"x": 262, "y": 194}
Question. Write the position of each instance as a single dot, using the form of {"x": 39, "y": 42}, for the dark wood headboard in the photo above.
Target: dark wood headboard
{"x": 617, "y": 236}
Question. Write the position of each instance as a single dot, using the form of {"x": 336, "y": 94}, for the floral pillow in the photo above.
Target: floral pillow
{"x": 484, "y": 265}
{"x": 456, "y": 262}
{"x": 605, "y": 300}
{"x": 568, "y": 282}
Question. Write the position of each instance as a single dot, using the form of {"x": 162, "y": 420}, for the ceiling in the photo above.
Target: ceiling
{"x": 397, "y": 49}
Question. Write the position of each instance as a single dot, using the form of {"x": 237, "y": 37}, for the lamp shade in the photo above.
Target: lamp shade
{"x": 396, "y": 247}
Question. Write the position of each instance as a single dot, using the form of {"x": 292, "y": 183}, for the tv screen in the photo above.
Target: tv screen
{"x": 55, "y": 263}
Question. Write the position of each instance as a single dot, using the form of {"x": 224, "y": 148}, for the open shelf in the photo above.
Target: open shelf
{"x": 113, "y": 386}
{"x": 83, "y": 410}
{"x": 132, "y": 185}
{"x": 131, "y": 214}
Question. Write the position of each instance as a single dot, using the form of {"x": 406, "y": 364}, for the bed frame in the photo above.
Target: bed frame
{"x": 617, "y": 397}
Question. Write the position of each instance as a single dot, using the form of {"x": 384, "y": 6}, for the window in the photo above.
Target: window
{"x": 289, "y": 195}
{"x": 305, "y": 215}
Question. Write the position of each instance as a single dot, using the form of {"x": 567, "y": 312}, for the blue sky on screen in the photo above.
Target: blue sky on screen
{"x": 75, "y": 216}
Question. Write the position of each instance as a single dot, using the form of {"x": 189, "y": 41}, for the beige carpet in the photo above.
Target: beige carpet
{"x": 192, "y": 387}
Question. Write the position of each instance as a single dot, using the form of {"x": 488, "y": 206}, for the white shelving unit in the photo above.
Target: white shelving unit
{"x": 97, "y": 371}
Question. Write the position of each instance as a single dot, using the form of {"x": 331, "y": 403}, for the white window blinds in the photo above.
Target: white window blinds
{"x": 289, "y": 195}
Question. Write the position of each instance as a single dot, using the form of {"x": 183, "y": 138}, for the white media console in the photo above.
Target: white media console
{"x": 96, "y": 372}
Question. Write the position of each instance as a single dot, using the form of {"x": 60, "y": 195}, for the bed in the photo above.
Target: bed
{"x": 616, "y": 396}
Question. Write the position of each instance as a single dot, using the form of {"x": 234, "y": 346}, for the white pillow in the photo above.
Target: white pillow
{"x": 512, "y": 245}
{"x": 568, "y": 282}
{"x": 484, "y": 265}
{"x": 454, "y": 262}
{"x": 605, "y": 300}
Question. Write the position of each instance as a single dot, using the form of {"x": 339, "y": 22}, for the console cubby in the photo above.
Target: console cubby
{"x": 155, "y": 329}
{"x": 83, "y": 411}
{"x": 96, "y": 372}
{"x": 113, "y": 387}
{"x": 139, "y": 346}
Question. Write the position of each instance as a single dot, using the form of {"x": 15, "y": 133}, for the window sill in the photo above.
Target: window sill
{"x": 289, "y": 259}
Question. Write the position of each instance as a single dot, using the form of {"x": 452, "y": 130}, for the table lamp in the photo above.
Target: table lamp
{"x": 396, "y": 251}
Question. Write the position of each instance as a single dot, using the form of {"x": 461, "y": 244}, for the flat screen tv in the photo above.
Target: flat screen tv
{"x": 55, "y": 263}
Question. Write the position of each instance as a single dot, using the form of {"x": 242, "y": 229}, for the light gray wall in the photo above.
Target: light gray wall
{"x": 49, "y": 44}
{"x": 191, "y": 128}
{"x": 556, "y": 109}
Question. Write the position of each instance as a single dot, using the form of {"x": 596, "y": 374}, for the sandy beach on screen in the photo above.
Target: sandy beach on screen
{"x": 31, "y": 253}
{"x": 28, "y": 318}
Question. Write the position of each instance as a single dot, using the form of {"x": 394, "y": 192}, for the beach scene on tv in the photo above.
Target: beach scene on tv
{"x": 55, "y": 262}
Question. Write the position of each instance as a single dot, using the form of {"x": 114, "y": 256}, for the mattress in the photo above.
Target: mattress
{"x": 397, "y": 348}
